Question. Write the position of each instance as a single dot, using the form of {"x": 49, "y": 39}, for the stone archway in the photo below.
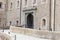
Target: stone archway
{"x": 30, "y": 21}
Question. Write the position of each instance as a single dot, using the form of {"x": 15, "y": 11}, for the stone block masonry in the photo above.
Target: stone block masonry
{"x": 36, "y": 33}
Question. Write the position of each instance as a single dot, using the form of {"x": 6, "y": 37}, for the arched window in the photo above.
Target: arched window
{"x": 17, "y": 23}
{"x": 10, "y": 22}
{"x": 44, "y": 22}
{"x": 11, "y": 5}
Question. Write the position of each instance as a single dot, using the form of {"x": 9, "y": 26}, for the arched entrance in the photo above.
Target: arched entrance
{"x": 30, "y": 21}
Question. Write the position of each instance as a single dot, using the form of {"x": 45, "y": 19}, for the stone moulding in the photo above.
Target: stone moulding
{"x": 29, "y": 9}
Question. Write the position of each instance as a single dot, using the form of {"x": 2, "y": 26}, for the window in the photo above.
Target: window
{"x": 0, "y": 19}
{"x": 0, "y": 4}
{"x": 10, "y": 22}
{"x": 34, "y": 1}
{"x": 17, "y": 23}
{"x": 17, "y": 3}
{"x": 44, "y": 22}
{"x": 11, "y": 5}
{"x": 25, "y": 2}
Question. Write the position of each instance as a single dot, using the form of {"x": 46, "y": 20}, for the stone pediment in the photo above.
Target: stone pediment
{"x": 29, "y": 8}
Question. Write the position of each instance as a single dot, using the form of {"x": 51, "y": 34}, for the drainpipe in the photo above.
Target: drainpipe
{"x": 50, "y": 17}
{"x": 54, "y": 13}
{"x": 20, "y": 10}
{"x": 53, "y": 5}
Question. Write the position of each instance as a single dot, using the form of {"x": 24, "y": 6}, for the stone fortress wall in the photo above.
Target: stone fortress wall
{"x": 45, "y": 14}
{"x": 13, "y": 13}
{"x": 36, "y": 33}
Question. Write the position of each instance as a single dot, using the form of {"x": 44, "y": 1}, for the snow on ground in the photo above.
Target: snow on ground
{"x": 16, "y": 36}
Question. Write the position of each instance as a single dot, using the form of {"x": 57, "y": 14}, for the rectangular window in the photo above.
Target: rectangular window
{"x": 0, "y": 4}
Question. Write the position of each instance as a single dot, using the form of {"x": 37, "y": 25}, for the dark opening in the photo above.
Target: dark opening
{"x": 30, "y": 21}
{"x": 0, "y": 4}
{"x": 44, "y": 22}
{"x": 17, "y": 23}
{"x": 10, "y": 22}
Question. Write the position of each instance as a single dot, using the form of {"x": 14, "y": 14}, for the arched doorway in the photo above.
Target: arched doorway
{"x": 30, "y": 21}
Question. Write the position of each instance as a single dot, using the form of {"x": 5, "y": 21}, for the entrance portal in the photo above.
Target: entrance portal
{"x": 30, "y": 21}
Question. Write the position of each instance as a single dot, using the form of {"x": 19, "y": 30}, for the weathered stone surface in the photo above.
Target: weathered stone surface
{"x": 36, "y": 33}
{"x": 4, "y": 36}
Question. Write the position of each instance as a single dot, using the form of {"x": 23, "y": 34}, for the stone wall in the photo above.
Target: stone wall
{"x": 13, "y": 14}
{"x": 3, "y": 14}
{"x": 36, "y": 33}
